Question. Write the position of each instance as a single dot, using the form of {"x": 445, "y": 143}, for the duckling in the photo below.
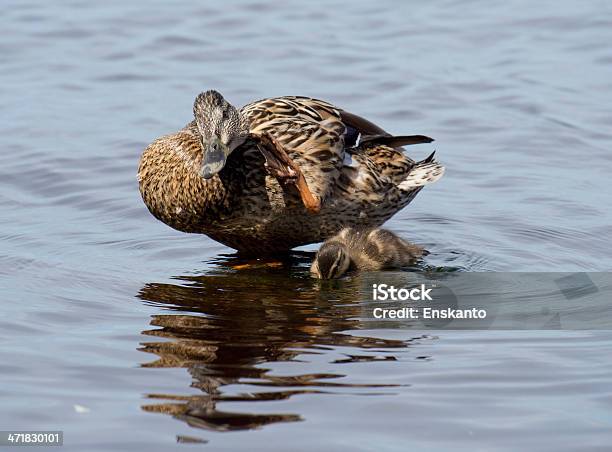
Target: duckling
{"x": 363, "y": 249}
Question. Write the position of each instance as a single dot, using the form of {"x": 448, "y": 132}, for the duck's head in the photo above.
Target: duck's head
{"x": 332, "y": 261}
{"x": 222, "y": 129}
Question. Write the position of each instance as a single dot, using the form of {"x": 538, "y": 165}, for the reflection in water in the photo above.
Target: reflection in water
{"x": 228, "y": 323}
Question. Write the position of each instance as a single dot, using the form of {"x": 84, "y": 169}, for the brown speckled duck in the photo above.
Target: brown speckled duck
{"x": 278, "y": 173}
{"x": 363, "y": 250}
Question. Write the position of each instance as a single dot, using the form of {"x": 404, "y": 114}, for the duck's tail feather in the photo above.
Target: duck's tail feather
{"x": 393, "y": 141}
{"x": 427, "y": 171}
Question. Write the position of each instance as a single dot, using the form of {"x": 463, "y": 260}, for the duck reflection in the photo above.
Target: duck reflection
{"x": 226, "y": 324}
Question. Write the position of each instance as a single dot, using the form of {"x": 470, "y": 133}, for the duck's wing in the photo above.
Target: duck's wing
{"x": 360, "y": 132}
{"x": 383, "y": 150}
{"x": 323, "y": 138}
{"x": 310, "y": 131}
{"x": 259, "y": 112}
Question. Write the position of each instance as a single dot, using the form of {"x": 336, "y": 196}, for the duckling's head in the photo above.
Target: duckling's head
{"x": 332, "y": 261}
{"x": 222, "y": 129}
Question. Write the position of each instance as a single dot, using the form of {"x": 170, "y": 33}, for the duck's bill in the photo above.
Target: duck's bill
{"x": 214, "y": 160}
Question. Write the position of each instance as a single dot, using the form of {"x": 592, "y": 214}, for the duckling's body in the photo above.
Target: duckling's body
{"x": 363, "y": 250}
{"x": 211, "y": 178}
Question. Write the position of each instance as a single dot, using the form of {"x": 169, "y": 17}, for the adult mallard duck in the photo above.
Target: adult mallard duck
{"x": 278, "y": 173}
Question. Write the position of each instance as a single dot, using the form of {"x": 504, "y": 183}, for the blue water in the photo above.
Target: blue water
{"x": 129, "y": 335}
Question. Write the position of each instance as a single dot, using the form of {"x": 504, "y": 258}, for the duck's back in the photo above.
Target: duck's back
{"x": 325, "y": 138}
{"x": 376, "y": 249}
